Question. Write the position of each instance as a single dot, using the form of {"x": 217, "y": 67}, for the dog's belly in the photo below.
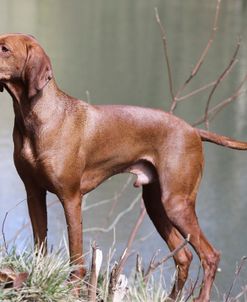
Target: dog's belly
{"x": 144, "y": 170}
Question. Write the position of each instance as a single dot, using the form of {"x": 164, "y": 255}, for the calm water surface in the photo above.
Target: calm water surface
{"x": 111, "y": 52}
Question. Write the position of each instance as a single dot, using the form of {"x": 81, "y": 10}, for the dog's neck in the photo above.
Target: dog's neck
{"x": 39, "y": 109}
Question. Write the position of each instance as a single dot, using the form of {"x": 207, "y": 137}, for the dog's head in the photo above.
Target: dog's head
{"x": 24, "y": 61}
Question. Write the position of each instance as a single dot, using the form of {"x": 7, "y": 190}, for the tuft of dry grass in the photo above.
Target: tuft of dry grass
{"x": 46, "y": 276}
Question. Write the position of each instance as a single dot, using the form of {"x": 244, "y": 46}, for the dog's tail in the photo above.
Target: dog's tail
{"x": 221, "y": 140}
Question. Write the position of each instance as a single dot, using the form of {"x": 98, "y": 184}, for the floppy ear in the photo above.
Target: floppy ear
{"x": 38, "y": 70}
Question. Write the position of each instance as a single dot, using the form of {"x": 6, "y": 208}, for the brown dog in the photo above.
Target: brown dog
{"x": 68, "y": 147}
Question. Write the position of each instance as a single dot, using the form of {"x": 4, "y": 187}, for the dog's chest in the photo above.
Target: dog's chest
{"x": 29, "y": 163}
{"x": 27, "y": 153}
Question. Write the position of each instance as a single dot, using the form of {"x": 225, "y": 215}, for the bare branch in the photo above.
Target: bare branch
{"x": 204, "y": 87}
{"x": 208, "y": 114}
{"x": 118, "y": 267}
{"x": 132, "y": 237}
{"x": 153, "y": 266}
{"x": 116, "y": 198}
{"x": 210, "y": 41}
{"x": 237, "y": 272}
{"x": 193, "y": 286}
{"x": 3, "y": 224}
{"x": 219, "y": 80}
{"x": 147, "y": 236}
{"x": 203, "y": 55}
{"x": 94, "y": 274}
{"x": 215, "y": 110}
{"x": 163, "y": 34}
{"x": 222, "y": 104}
{"x": 120, "y": 215}
{"x": 24, "y": 226}
{"x": 242, "y": 293}
{"x": 150, "y": 267}
{"x": 106, "y": 201}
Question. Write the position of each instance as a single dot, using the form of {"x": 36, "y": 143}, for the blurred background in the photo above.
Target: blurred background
{"x": 111, "y": 52}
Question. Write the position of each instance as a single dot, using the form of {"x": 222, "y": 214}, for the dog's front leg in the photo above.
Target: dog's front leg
{"x": 73, "y": 215}
{"x": 36, "y": 200}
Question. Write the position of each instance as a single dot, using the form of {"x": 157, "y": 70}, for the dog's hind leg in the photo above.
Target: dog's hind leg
{"x": 181, "y": 212}
{"x": 179, "y": 185}
{"x": 155, "y": 210}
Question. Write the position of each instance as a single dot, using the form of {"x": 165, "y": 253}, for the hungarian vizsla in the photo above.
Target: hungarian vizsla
{"x": 68, "y": 147}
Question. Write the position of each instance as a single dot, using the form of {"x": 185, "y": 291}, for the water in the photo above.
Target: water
{"x": 111, "y": 52}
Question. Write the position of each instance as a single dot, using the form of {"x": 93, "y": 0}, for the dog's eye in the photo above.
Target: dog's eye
{"x": 4, "y": 48}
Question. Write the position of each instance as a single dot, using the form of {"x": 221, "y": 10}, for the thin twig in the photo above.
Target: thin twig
{"x": 219, "y": 80}
{"x": 163, "y": 34}
{"x": 202, "y": 56}
{"x": 203, "y": 88}
{"x": 243, "y": 292}
{"x": 196, "y": 91}
{"x": 116, "y": 198}
{"x": 131, "y": 239}
{"x": 237, "y": 272}
{"x": 193, "y": 287}
{"x": 118, "y": 267}
{"x": 217, "y": 108}
{"x": 153, "y": 266}
{"x": 3, "y": 224}
{"x": 105, "y": 201}
{"x": 24, "y": 226}
{"x": 120, "y": 215}
{"x": 150, "y": 267}
{"x": 222, "y": 104}
{"x": 147, "y": 236}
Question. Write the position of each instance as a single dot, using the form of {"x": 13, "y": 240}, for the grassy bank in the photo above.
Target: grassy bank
{"x": 31, "y": 276}
{"x": 45, "y": 276}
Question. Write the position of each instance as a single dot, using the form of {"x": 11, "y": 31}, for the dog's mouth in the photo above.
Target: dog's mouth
{"x": 1, "y": 87}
